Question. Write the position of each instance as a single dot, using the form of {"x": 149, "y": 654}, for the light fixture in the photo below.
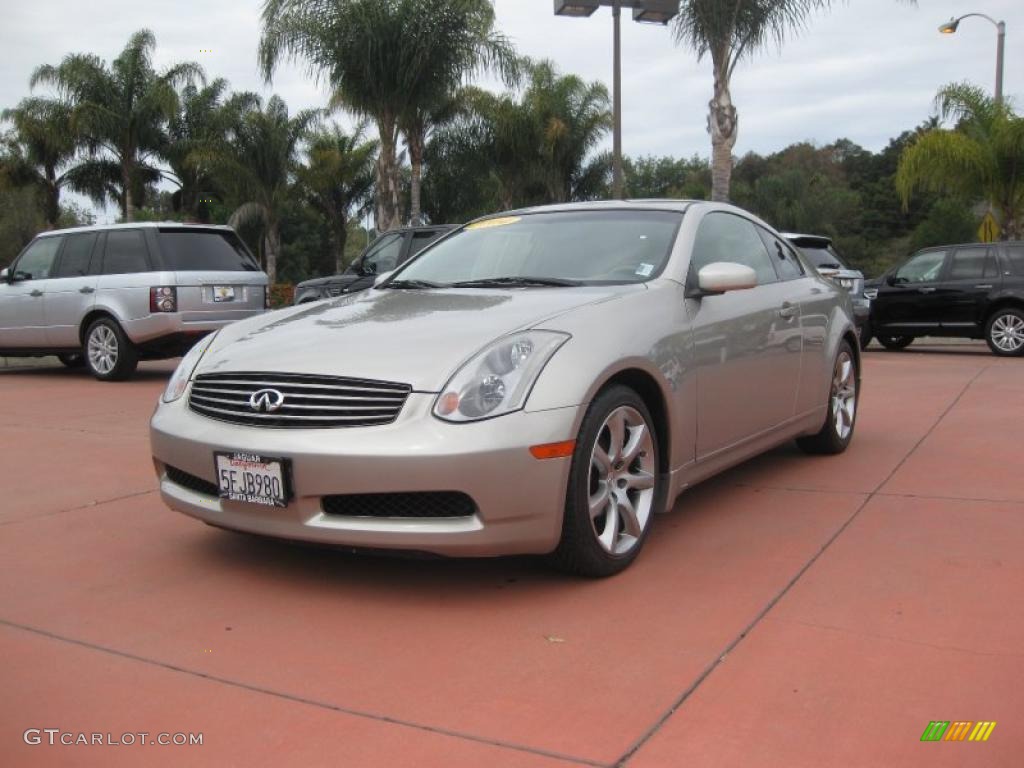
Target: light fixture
{"x": 949, "y": 27}
{"x": 655, "y": 11}
{"x": 576, "y": 7}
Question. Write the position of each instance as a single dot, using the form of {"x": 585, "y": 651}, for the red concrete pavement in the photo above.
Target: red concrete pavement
{"x": 791, "y": 612}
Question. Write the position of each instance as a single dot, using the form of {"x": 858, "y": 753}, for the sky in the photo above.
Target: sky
{"x": 865, "y": 70}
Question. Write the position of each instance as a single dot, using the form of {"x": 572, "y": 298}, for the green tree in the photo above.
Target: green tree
{"x": 654, "y": 177}
{"x": 982, "y": 157}
{"x": 386, "y": 60}
{"x": 256, "y": 161}
{"x": 120, "y": 112}
{"x": 337, "y": 180}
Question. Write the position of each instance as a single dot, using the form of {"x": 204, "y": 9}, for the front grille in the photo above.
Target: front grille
{"x": 418, "y": 504}
{"x": 306, "y": 402}
{"x": 193, "y": 483}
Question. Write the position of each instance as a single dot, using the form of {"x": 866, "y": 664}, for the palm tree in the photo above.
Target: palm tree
{"x": 40, "y": 151}
{"x": 981, "y": 158}
{"x": 338, "y": 180}
{"x": 386, "y": 60}
{"x": 120, "y": 112}
{"x": 256, "y": 161}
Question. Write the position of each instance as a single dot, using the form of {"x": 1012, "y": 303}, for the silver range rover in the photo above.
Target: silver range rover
{"x": 106, "y": 297}
{"x": 542, "y": 381}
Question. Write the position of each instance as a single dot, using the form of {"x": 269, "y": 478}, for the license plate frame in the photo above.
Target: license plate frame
{"x": 242, "y": 485}
{"x": 223, "y": 293}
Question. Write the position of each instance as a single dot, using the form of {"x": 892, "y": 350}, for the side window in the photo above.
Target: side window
{"x": 421, "y": 240}
{"x": 74, "y": 259}
{"x": 922, "y": 268}
{"x": 384, "y": 255}
{"x": 1015, "y": 260}
{"x": 37, "y": 262}
{"x": 973, "y": 264}
{"x": 726, "y": 237}
{"x": 785, "y": 260}
{"x": 125, "y": 252}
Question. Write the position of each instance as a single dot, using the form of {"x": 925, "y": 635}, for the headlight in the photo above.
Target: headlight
{"x": 179, "y": 381}
{"x": 871, "y": 293}
{"x": 845, "y": 282}
{"x": 498, "y": 379}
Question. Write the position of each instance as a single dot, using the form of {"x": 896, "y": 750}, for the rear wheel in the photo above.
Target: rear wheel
{"x": 837, "y": 431}
{"x": 109, "y": 353}
{"x": 614, "y": 487}
{"x": 1004, "y": 332}
{"x": 895, "y": 343}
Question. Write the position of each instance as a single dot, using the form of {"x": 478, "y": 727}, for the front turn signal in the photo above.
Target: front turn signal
{"x": 553, "y": 450}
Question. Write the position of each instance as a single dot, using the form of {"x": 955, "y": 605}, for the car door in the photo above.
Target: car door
{"x": 972, "y": 274}
{"x": 22, "y": 314}
{"x": 909, "y": 300}
{"x": 747, "y": 343}
{"x": 71, "y": 290}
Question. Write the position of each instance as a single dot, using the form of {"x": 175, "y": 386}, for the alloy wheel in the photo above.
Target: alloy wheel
{"x": 102, "y": 349}
{"x": 844, "y": 395}
{"x": 621, "y": 481}
{"x": 1007, "y": 333}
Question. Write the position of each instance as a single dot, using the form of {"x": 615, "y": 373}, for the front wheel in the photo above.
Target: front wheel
{"x": 844, "y": 391}
{"x": 614, "y": 487}
{"x": 895, "y": 343}
{"x": 1004, "y": 332}
{"x": 109, "y": 352}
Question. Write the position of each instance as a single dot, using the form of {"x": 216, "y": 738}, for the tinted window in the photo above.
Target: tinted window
{"x": 125, "y": 252}
{"x": 597, "y": 246}
{"x": 822, "y": 257}
{"x": 74, "y": 259}
{"x": 725, "y": 237}
{"x": 421, "y": 240}
{"x": 786, "y": 264}
{"x": 384, "y": 255}
{"x": 973, "y": 264}
{"x": 1015, "y": 259}
{"x": 185, "y": 250}
{"x": 37, "y": 261}
{"x": 922, "y": 268}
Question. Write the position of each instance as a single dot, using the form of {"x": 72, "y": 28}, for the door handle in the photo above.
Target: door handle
{"x": 789, "y": 309}
{"x": 35, "y": 292}
{"x": 983, "y": 287}
{"x": 926, "y": 290}
{"x": 87, "y": 289}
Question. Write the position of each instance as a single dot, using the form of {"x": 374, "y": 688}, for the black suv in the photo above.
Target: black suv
{"x": 384, "y": 254}
{"x": 974, "y": 291}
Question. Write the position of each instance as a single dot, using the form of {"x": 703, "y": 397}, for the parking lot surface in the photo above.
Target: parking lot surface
{"x": 792, "y": 612}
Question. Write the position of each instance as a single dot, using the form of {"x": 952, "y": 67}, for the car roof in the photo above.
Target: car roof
{"x": 138, "y": 225}
{"x": 656, "y": 204}
{"x": 808, "y": 241}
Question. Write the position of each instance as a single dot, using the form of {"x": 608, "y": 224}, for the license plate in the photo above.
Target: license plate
{"x": 251, "y": 478}
{"x": 223, "y": 293}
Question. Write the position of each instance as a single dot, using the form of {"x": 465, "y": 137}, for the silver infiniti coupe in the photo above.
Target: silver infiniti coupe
{"x": 541, "y": 381}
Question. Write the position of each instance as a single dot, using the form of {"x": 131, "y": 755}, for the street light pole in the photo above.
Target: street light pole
{"x": 617, "y": 190}
{"x": 951, "y": 26}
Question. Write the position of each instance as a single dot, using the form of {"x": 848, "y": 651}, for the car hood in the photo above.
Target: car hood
{"x": 415, "y": 337}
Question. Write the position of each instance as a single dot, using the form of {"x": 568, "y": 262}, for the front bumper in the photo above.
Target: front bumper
{"x": 519, "y": 499}
{"x": 861, "y": 310}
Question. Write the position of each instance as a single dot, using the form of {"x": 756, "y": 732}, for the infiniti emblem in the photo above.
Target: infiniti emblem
{"x": 266, "y": 400}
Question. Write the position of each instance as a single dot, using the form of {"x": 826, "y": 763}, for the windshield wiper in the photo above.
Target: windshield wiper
{"x": 515, "y": 282}
{"x": 412, "y": 284}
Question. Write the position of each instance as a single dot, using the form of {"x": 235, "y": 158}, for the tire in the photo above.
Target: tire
{"x": 1004, "y": 332}
{"x": 72, "y": 360}
{"x": 588, "y": 547}
{"x": 108, "y": 352}
{"x": 864, "y": 335}
{"x": 895, "y": 343}
{"x": 841, "y": 411}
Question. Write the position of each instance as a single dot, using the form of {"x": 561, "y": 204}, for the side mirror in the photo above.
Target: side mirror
{"x": 381, "y": 278}
{"x": 722, "y": 276}
{"x": 6, "y": 276}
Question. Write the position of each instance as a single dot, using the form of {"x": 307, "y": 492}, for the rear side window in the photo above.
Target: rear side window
{"x": 785, "y": 261}
{"x": 37, "y": 262}
{"x": 77, "y": 253}
{"x": 1015, "y": 259}
{"x": 186, "y": 250}
{"x": 973, "y": 264}
{"x": 125, "y": 252}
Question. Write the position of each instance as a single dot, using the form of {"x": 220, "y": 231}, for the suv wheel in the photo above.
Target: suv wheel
{"x": 109, "y": 353}
{"x": 894, "y": 343}
{"x": 837, "y": 431}
{"x": 1005, "y": 332}
{"x": 614, "y": 487}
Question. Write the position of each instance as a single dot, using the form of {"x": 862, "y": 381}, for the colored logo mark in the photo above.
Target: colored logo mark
{"x": 959, "y": 730}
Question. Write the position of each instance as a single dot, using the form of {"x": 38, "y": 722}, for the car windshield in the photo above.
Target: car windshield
{"x": 205, "y": 249}
{"x": 822, "y": 256}
{"x": 548, "y": 249}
